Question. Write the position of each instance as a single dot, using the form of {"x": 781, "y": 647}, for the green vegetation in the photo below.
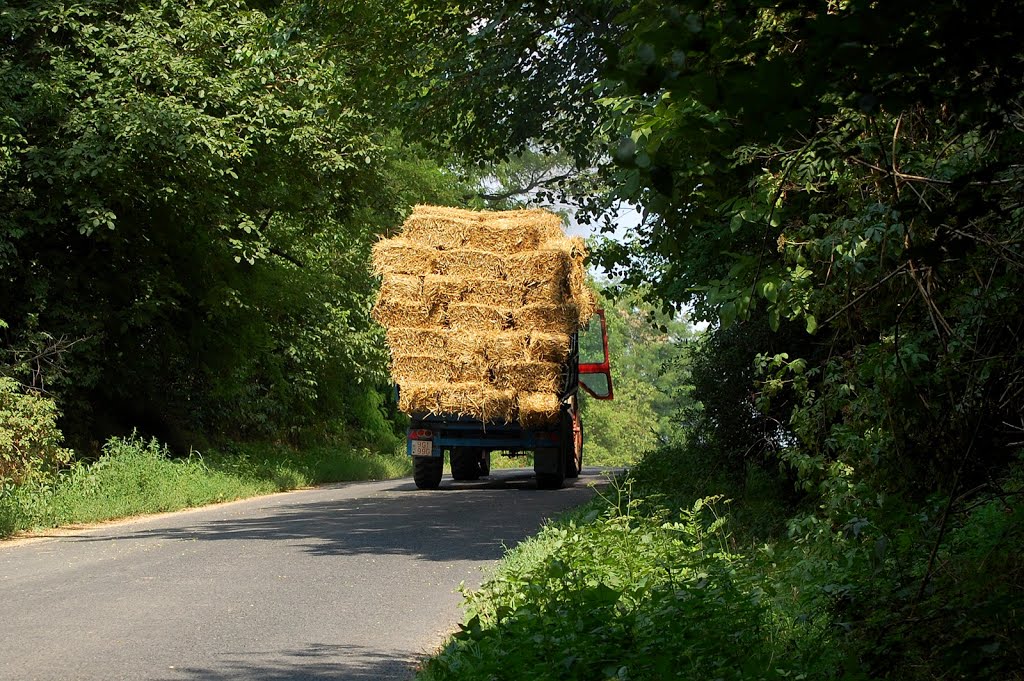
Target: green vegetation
{"x": 649, "y": 374}
{"x": 651, "y": 583}
{"x": 189, "y": 192}
{"x": 835, "y": 187}
{"x": 133, "y": 477}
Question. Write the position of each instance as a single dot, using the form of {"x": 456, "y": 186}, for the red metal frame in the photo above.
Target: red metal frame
{"x": 602, "y": 368}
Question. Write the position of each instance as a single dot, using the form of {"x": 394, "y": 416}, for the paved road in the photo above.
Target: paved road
{"x": 351, "y": 581}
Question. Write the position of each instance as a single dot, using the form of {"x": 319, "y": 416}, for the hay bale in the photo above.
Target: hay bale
{"x": 471, "y": 317}
{"x": 549, "y": 292}
{"x": 440, "y": 290}
{"x": 440, "y": 231}
{"x": 581, "y": 295}
{"x": 401, "y": 313}
{"x": 543, "y": 318}
{"x": 475, "y": 400}
{"x": 479, "y": 401}
{"x": 585, "y": 304}
{"x": 467, "y": 342}
{"x": 412, "y": 341}
{"x": 420, "y": 368}
{"x": 528, "y": 375}
{"x": 493, "y": 292}
{"x": 505, "y": 347}
{"x": 499, "y": 238}
{"x": 545, "y": 224}
{"x": 402, "y": 256}
{"x": 548, "y": 347}
{"x": 420, "y": 398}
{"x": 405, "y": 287}
{"x": 540, "y": 266}
{"x": 465, "y": 263}
{"x": 535, "y": 409}
{"x": 468, "y": 369}
{"x": 478, "y": 307}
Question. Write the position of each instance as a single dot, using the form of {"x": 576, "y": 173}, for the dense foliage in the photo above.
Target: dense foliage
{"x": 837, "y": 185}
{"x": 188, "y": 193}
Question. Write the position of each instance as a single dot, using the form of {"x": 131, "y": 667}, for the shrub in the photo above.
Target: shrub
{"x": 29, "y": 437}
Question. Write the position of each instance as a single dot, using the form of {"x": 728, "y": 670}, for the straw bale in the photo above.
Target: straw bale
{"x": 420, "y": 397}
{"x": 466, "y": 342}
{"x": 476, "y": 400}
{"x": 506, "y": 346}
{"x": 500, "y": 238}
{"x": 412, "y": 341}
{"x": 544, "y": 318}
{"x": 405, "y": 287}
{"x": 479, "y": 401}
{"x": 493, "y": 292}
{"x": 537, "y": 408}
{"x": 439, "y": 231}
{"x": 545, "y": 224}
{"x": 470, "y": 317}
{"x": 543, "y": 265}
{"x": 528, "y": 375}
{"x": 439, "y": 290}
{"x": 468, "y": 369}
{"x": 585, "y": 304}
{"x": 399, "y": 313}
{"x": 550, "y": 292}
{"x": 452, "y": 213}
{"x": 420, "y": 368}
{"x": 548, "y": 347}
{"x": 402, "y": 256}
{"x": 465, "y": 263}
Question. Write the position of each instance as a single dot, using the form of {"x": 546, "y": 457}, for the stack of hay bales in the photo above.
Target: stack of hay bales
{"x": 479, "y": 308}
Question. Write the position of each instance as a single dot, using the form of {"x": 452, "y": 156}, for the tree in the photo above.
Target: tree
{"x": 188, "y": 193}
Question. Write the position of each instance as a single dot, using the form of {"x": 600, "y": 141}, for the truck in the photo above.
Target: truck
{"x": 557, "y": 447}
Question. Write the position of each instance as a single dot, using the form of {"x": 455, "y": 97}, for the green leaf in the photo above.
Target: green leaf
{"x": 812, "y": 324}
{"x": 727, "y": 313}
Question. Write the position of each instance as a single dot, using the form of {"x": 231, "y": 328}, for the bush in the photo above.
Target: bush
{"x": 628, "y": 592}
{"x": 29, "y": 437}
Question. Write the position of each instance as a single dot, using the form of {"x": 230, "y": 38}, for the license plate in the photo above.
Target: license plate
{"x": 422, "y": 448}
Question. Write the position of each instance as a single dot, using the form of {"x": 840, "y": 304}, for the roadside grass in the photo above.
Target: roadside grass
{"x": 656, "y": 580}
{"x": 624, "y": 589}
{"x": 135, "y": 477}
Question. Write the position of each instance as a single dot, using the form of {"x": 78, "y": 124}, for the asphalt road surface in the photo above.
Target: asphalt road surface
{"x": 350, "y": 581}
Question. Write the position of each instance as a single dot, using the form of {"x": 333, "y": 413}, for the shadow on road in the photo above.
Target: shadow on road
{"x": 442, "y": 525}
{"x": 318, "y": 661}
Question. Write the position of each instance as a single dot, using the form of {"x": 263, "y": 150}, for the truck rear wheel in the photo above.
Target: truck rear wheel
{"x": 549, "y": 465}
{"x": 466, "y": 463}
{"x": 427, "y": 471}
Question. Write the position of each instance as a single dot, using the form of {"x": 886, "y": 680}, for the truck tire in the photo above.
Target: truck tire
{"x": 427, "y": 470}
{"x": 550, "y": 479}
{"x": 485, "y": 464}
{"x": 465, "y": 463}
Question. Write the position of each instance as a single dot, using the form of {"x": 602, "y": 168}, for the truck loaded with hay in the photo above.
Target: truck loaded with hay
{"x": 483, "y": 312}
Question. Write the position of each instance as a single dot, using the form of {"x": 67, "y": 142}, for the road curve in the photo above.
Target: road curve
{"x": 348, "y": 581}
